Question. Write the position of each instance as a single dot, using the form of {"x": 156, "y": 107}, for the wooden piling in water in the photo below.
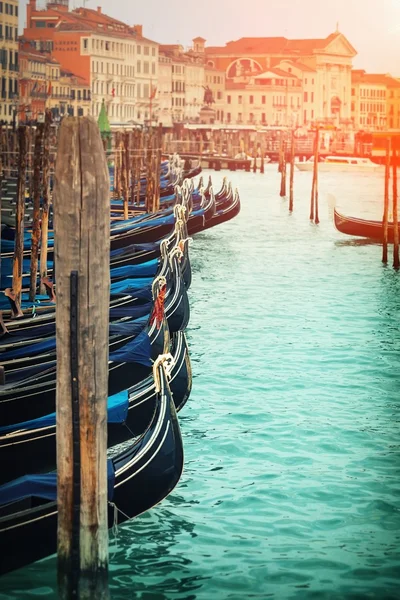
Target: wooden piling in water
{"x": 283, "y": 170}
{"x": 314, "y": 216}
{"x": 35, "y": 238}
{"x": 46, "y": 197}
{"x": 396, "y": 262}
{"x": 125, "y": 172}
{"x": 291, "y": 184}
{"x": 19, "y": 214}
{"x": 82, "y": 233}
{"x": 385, "y": 218}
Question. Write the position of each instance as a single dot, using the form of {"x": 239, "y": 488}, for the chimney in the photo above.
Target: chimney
{"x": 138, "y": 29}
{"x": 99, "y": 10}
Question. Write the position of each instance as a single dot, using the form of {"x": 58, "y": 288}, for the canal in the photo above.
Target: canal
{"x": 291, "y": 486}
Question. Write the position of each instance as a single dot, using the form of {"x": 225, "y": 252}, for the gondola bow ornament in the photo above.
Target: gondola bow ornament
{"x": 159, "y": 309}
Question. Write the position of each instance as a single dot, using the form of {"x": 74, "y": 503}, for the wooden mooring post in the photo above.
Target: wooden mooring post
{"x": 291, "y": 184}
{"x": 19, "y": 214}
{"x": 385, "y": 218}
{"x": 314, "y": 216}
{"x": 283, "y": 170}
{"x": 46, "y": 198}
{"x": 82, "y": 255}
{"x": 37, "y": 165}
{"x": 396, "y": 262}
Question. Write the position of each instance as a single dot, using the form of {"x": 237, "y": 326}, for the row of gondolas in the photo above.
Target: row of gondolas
{"x": 149, "y": 368}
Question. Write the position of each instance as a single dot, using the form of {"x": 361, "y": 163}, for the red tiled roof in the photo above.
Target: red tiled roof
{"x": 360, "y": 76}
{"x": 299, "y": 65}
{"x": 279, "y": 72}
{"x": 273, "y": 45}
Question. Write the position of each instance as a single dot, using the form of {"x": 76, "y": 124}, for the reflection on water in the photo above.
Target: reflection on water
{"x": 292, "y": 454}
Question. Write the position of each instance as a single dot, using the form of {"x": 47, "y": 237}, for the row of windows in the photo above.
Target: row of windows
{"x": 146, "y": 67}
{"x": 9, "y": 33}
{"x": 121, "y": 111}
{"x": 368, "y": 93}
{"x": 372, "y": 121}
{"x": 8, "y": 9}
{"x": 372, "y": 107}
{"x": 119, "y": 47}
{"x": 9, "y": 59}
{"x": 123, "y": 70}
{"x": 121, "y": 89}
{"x": 178, "y": 101}
{"x": 9, "y": 88}
{"x": 178, "y": 86}
{"x": 276, "y": 100}
{"x": 178, "y": 69}
{"x": 214, "y": 79}
{"x": 306, "y": 97}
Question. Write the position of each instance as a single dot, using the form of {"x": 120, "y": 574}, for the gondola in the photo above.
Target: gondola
{"x": 31, "y": 391}
{"x": 362, "y": 227}
{"x": 30, "y": 447}
{"x": 222, "y": 215}
{"x": 140, "y": 476}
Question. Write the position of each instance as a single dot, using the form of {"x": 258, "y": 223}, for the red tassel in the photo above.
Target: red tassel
{"x": 158, "y": 311}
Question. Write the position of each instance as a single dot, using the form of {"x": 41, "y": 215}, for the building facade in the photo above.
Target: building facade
{"x": 328, "y": 62}
{"x": 43, "y": 84}
{"x": 270, "y": 98}
{"x": 9, "y": 60}
{"x": 215, "y": 81}
{"x": 118, "y": 63}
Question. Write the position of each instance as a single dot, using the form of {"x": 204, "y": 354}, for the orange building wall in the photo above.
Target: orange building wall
{"x": 67, "y": 50}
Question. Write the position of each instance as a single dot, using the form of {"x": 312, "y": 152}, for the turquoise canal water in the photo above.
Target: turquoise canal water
{"x": 291, "y": 486}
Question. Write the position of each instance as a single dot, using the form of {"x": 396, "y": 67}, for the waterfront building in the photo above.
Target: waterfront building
{"x": 329, "y": 60}
{"x": 368, "y": 100}
{"x": 269, "y": 98}
{"x": 393, "y": 103}
{"x": 9, "y": 60}
{"x": 375, "y": 101}
{"x": 164, "y": 92}
{"x": 215, "y": 81}
{"x": 120, "y": 65}
{"x": 43, "y": 84}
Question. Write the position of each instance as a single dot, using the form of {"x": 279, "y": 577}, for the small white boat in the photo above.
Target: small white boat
{"x": 341, "y": 163}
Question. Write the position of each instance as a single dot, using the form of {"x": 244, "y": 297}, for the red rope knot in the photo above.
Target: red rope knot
{"x": 158, "y": 311}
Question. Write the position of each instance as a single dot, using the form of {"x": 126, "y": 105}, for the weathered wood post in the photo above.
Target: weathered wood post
{"x": 316, "y": 193}
{"x": 125, "y": 173}
{"x": 82, "y": 254}
{"x": 283, "y": 170}
{"x": 139, "y": 150}
{"x": 19, "y": 214}
{"x": 281, "y": 154}
{"x": 46, "y": 197}
{"x": 385, "y": 218}
{"x": 314, "y": 189}
{"x": 291, "y": 183}
{"x": 396, "y": 262}
{"x": 37, "y": 164}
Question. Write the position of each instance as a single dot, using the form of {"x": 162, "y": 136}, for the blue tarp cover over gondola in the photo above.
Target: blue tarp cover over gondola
{"x": 117, "y": 412}
{"x": 43, "y": 486}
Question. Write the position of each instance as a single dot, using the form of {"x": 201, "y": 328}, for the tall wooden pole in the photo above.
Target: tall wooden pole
{"x": 82, "y": 233}
{"x": 19, "y": 214}
{"x": 396, "y": 262}
{"x": 283, "y": 170}
{"x": 46, "y": 197}
{"x": 314, "y": 190}
{"x": 316, "y": 193}
{"x": 385, "y": 218}
{"x": 37, "y": 164}
{"x": 292, "y": 154}
{"x": 124, "y": 173}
